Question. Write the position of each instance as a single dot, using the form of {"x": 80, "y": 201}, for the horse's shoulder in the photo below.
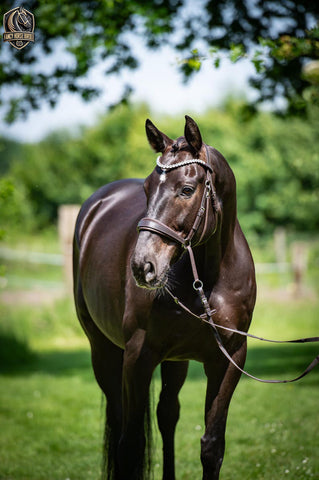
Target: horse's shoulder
{"x": 112, "y": 200}
{"x": 235, "y": 293}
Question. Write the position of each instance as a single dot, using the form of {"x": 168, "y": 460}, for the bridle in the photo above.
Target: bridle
{"x": 156, "y": 226}
{"x": 208, "y": 198}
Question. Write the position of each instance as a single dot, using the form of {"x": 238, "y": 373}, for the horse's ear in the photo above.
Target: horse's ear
{"x": 192, "y": 134}
{"x": 158, "y": 140}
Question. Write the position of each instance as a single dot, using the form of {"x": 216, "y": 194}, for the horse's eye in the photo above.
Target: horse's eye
{"x": 187, "y": 191}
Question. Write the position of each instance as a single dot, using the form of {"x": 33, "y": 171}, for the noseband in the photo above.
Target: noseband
{"x": 155, "y": 226}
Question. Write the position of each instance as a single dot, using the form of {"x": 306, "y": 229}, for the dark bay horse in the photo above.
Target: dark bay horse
{"x": 124, "y": 280}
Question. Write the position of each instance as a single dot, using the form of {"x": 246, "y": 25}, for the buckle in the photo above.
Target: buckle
{"x": 197, "y": 285}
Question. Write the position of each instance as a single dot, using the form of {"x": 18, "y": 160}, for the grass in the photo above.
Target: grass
{"x": 52, "y": 420}
{"x": 52, "y": 416}
{"x": 27, "y": 276}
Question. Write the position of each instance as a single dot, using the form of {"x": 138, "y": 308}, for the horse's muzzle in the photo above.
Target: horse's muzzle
{"x": 146, "y": 276}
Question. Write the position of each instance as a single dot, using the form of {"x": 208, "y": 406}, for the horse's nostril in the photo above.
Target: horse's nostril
{"x": 149, "y": 271}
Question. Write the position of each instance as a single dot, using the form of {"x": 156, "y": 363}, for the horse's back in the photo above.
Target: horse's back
{"x": 105, "y": 234}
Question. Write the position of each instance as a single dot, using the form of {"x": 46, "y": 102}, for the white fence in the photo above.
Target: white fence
{"x": 31, "y": 257}
{"x": 67, "y": 218}
{"x": 57, "y": 259}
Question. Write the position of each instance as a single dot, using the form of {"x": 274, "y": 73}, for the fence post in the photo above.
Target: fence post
{"x": 280, "y": 245}
{"x": 299, "y": 265}
{"x": 66, "y": 222}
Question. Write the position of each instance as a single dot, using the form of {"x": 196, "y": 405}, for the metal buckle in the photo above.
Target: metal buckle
{"x": 197, "y": 285}
{"x": 201, "y": 211}
{"x": 208, "y": 188}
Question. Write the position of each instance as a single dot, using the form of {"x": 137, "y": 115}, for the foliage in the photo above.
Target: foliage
{"x": 75, "y": 36}
{"x": 286, "y": 67}
{"x": 276, "y": 164}
{"x": 72, "y": 37}
{"x": 275, "y": 161}
{"x": 15, "y": 210}
{"x": 63, "y": 169}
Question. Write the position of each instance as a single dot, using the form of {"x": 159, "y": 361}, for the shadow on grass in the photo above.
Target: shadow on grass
{"x": 267, "y": 362}
{"x": 14, "y": 352}
{"x": 282, "y": 361}
{"x": 16, "y": 358}
{"x": 272, "y": 362}
{"x": 65, "y": 362}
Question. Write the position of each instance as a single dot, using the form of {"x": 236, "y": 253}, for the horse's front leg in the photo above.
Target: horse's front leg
{"x": 173, "y": 377}
{"x": 221, "y": 383}
{"x": 138, "y": 367}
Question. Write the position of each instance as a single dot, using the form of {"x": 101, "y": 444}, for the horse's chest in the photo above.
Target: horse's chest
{"x": 179, "y": 336}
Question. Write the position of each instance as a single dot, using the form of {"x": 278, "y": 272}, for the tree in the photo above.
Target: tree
{"x": 78, "y": 34}
{"x": 275, "y": 161}
{"x": 69, "y": 168}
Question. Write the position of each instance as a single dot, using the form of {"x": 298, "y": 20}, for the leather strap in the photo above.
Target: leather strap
{"x": 207, "y": 318}
{"x": 155, "y": 226}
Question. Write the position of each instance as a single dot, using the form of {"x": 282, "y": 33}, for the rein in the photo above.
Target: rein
{"x": 207, "y": 318}
{"x": 155, "y": 226}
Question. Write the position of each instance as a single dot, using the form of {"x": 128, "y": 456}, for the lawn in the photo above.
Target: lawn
{"x": 51, "y": 410}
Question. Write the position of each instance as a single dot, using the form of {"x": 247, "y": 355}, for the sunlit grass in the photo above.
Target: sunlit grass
{"x": 44, "y": 241}
{"x": 52, "y": 421}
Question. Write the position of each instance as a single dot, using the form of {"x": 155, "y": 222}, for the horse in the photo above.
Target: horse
{"x": 138, "y": 246}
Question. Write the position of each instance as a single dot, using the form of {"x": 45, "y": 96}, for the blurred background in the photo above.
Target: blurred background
{"x": 73, "y": 108}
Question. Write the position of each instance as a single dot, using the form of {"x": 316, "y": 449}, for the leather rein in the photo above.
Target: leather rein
{"x": 155, "y": 226}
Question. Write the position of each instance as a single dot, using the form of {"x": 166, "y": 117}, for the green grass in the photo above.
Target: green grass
{"x": 25, "y": 275}
{"x": 52, "y": 420}
{"x": 45, "y": 241}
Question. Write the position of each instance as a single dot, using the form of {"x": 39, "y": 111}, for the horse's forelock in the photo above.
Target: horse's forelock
{"x": 179, "y": 145}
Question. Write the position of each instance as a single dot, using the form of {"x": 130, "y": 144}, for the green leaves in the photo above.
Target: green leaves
{"x": 275, "y": 161}
{"x": 236, "y": 52}
{"x": 86, "y": 33}
{"x": 192, "y": 63}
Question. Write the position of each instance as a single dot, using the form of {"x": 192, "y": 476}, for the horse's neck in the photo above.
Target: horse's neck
{"x": 211, "y": 254}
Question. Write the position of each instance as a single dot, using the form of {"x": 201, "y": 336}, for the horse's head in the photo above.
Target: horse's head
{"x": 182, "y": 205}
{"x": 23, "y": 18}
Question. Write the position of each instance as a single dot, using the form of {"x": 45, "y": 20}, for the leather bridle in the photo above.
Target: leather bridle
{"x": 155, "y": 226}
{"x": 208, "y": 199}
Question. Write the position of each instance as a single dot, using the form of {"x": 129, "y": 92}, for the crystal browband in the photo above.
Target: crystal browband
{"x": 182, "y": 164}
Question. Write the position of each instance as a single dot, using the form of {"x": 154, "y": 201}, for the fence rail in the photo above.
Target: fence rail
{"x": 57, "y": 260}
{"x": 31, "y": 257}
{"x": 268, "y": 268}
